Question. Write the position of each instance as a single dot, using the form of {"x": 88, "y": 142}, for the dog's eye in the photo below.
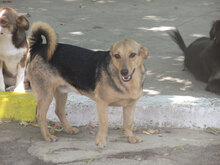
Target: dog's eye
{"x": 3, "y": 21}
{"x": 132, "y": 55}
{"x": 117, "y": 56}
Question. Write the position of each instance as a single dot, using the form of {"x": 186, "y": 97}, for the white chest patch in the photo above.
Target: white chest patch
{"x": 8, "y": 49}
{"x": 9, "y": 53}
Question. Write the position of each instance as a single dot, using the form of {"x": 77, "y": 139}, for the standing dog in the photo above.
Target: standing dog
{"x": 202, "y": 57}
{"x": 111, "y": 78}
{"x": 13, "y": 48}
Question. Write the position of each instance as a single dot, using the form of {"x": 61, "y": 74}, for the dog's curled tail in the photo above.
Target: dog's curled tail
{"x": 39, "y": 29}
{"x": 177, "y": 38}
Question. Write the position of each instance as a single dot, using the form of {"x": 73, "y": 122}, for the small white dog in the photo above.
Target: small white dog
{"x": 13, "y": 49}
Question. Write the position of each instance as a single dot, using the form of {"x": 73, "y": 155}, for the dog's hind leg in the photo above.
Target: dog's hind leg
{"x": 128, "y": 117}
{"x": 43, "y": 96}
{"x": 60, "y": 112}
{"x": 214, "y": 86}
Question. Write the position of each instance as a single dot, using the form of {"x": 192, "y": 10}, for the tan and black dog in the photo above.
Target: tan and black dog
{"x": 111, "y": 78}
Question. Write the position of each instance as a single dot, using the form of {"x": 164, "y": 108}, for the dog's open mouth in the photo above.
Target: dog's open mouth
{"x": 128, "y": 77}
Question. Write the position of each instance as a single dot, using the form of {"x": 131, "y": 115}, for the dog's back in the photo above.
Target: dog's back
{"x": 193, "y": 59}
{"x": 78, "y": 66}
{"x": 69, "y": 58}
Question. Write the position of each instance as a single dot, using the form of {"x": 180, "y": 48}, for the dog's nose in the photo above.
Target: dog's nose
{"x": 124, "y": 72}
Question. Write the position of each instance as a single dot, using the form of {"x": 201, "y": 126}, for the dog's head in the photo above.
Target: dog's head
{"x": 127, "y": 56}
{"x": 215, "y": 31}
{"x": 10, "y": 21}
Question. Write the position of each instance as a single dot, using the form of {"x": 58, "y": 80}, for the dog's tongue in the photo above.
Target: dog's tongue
{"x": 126, "y": 77}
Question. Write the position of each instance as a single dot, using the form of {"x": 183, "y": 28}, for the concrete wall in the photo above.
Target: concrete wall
{"x": 160, "y": 110}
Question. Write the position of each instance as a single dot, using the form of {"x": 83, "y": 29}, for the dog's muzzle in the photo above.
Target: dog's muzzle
{"x": 125, "y": 76}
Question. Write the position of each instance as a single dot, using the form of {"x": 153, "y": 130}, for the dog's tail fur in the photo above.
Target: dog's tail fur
{"x": 39, "y": 29}
{"x": 177, "y": 38}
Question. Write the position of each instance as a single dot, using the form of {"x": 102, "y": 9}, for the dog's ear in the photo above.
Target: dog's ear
{"x": 144, "y": 52}
{"x": 215, "y": 31}
{"x": 22, "y": 22}
{"x": 212, "y": 31}
{"x": 111, "y": 50}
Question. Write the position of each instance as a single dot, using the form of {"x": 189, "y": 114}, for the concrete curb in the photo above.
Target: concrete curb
{"x": 157, "y": 111}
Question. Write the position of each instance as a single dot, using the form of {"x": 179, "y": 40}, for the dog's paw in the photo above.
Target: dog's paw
{"x": 50, "y": 138}
{"x": 100, "y": 141}
{"x": 134, "y": 139}
{"x": 11, "y": 88}
{"x": 71, "y": 130}
{"x": 2, "y": 89}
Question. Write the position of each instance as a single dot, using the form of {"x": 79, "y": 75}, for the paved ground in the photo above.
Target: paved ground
{"x": 24, "y": 146}
{"x": 97, "y": 24}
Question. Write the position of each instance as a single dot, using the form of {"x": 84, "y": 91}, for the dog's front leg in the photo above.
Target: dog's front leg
{"x": 2, "y": 83}
{"x": 128, "y": 116}
{"x": 19, "y": 87}
{"x": 102, "y": 108}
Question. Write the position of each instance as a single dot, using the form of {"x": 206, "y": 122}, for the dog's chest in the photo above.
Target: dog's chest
{"x": 8, "y": 50}
{"x": 9, "y": 53}
{"x": 116, "y": 98}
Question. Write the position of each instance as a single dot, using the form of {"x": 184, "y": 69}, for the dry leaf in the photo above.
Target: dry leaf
{"x": 82, "y": 7}
{"x": 212, "y": 130}
{"x": 52, "y": 131}
{"x": 27, "y": 15}
{"x": 217, "y": 154}
{"x": 23, "y": 123}
{"x": 35, "y": 125}
{"x": 6, "y": 1}
{"x": 113, "y": 140}
{"x": 179, "y": 148}
{"x": 92, "y": 132}
{"x": 90, "y": 160}
{"x": 122, "y": 136}
{"x": 138, "y": 131}
{"x": 167, "y": 131}
{"x": 6, "y": 121}
{"x": 117, "y": 128}
{"x": 90, "y": 126}
{"x": 145, "y": 132}
{"x": 97, "y": 27}
{"x": 152, "y": 131}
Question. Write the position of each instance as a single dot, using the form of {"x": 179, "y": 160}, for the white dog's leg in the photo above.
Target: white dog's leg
{"x": 20, "y": 80}
{"x": 2, "y": 84}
